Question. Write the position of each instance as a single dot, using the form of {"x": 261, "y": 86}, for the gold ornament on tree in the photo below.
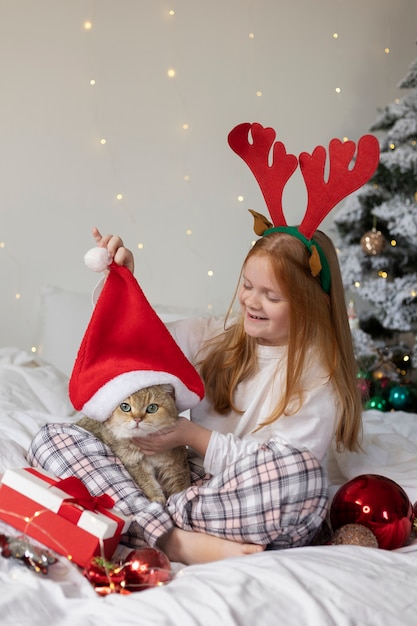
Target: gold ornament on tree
{"x": 373, "y": 241}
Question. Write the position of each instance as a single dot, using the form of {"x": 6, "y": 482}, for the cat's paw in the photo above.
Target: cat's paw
{"x": 160, "y": 499}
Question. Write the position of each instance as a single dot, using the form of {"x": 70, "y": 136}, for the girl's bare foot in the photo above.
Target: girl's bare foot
{"x": 182, "y": 546}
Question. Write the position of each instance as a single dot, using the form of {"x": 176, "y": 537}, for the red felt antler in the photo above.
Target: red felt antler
{"x": 271, "y": 178}
{"x": 322, "y": 196}
{"x": 342, "y": 181}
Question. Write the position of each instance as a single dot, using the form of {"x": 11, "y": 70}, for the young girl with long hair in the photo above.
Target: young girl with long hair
{"x": 280, "y": 387}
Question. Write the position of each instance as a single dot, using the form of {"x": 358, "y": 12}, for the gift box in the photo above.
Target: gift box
{"x": 61, "y": 514}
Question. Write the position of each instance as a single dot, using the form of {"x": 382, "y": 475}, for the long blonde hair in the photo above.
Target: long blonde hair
{"x": 317, "y": 321}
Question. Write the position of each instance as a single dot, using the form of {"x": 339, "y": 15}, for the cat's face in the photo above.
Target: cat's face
{"x": 143, "y": 412}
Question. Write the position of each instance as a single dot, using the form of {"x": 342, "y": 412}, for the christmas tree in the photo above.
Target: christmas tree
{"x": 377, "y": 232}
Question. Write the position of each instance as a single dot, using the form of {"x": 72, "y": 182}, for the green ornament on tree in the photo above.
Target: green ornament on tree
{"x": 376, "y": 402}
{"x": 399, "y": 397}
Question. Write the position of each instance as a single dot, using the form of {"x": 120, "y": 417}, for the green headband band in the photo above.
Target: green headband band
{"x": 312, "y": 246}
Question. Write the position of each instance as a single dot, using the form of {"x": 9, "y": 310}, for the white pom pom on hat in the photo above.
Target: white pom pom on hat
{"x": 127, "y": 347}
{"x": 97, "y": 259}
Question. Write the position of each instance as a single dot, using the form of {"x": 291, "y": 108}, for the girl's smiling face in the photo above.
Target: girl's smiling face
{"x": 265, "y": 310}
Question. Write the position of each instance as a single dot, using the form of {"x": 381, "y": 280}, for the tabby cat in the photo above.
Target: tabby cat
{"x": 145, "y": 411}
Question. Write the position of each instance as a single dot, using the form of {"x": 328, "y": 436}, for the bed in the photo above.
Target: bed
{"x": 316, "y": 585}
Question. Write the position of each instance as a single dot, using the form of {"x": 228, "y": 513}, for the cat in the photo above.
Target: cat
{"x": 145, "y": 411}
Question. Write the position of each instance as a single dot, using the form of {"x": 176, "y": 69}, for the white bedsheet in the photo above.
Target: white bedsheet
{"x": 314, "y": 586}
{"x": 321, "y": 585}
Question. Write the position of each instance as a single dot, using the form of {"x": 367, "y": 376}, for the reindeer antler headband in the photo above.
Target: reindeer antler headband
{"x": 322, "y": 196}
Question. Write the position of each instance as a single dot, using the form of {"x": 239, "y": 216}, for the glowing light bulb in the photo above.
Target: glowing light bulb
{"x": 387, "y": 51}
{"x": 345, "y": 139}
{"x": 240, "y": 198}
{"x": 188, "y": 231}
{"x": 140, "y": 246}
{"x": 338, "y": 90}
{"x": 92, "y": 82}
{"x": 259, "y": 94}
{"x": 119, "y": 196}
{"x": 171, "y": 72}
{"x": 392, "y": 146}
{"x": 33, "y": 349}
{"x": 185, "y": 127}
{"x": 393, "y": 243}
{"x": 103, "y": 141}
{"x": 17, "y": 296}
{"x": 186, "y": 177}
{"x": 357, "y": 283}
{"x": 88, "y": 25}
{"x": 172, "y": 12}
{"x": 335, "y": 35}
{"x": 2, "y": 244}
{"x": 210, "y": 273}
{"x": 251, "y": 35}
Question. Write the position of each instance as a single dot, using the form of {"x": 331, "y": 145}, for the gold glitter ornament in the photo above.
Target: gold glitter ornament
{"x": 355, "y": 534}
{"x": 373, "y": 242}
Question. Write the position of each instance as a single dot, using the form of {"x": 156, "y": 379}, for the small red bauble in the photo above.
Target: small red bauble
{"x": 146, "y": 567}
{"x": 106, "y": 577}
{"x": 143, "y": 568}
{"x": 378, "y": 503}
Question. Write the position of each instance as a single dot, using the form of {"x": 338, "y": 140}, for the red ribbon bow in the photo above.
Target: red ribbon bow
{"x": 81, "y": 496}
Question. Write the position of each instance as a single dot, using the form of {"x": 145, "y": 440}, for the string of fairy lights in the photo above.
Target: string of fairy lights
{"x": 171, "y": 15}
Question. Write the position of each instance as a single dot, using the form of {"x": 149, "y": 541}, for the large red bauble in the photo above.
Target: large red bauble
{"x": 146, "y": 567}
{"x": 378, "y": 503}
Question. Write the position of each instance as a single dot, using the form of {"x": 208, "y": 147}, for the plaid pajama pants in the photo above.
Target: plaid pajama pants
{"x": 276, "y": 496}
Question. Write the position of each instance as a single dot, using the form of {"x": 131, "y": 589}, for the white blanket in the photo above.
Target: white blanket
{"x": 321, "y": 585}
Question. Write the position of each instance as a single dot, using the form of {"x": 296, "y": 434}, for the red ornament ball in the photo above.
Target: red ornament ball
{"x": 378, "y": 503}
{"x": 415, "y": 517}
{"x": 105, "y": 576}
{"x": 146, "y": 567}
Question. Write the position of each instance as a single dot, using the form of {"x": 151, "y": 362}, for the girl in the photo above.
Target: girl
{"x": 280, "y": 386}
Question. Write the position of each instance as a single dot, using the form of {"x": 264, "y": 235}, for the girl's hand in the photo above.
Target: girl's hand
{"x": 182, "y": 433}
{"x": 120, "y": 255}
{"x": 164, "y": 439}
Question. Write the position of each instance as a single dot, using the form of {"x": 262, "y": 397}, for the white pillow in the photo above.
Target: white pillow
{"x": 64, "y": 319}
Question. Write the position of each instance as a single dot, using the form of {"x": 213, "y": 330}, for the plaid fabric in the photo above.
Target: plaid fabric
{"x": 68, "y": 450}
{"x": 276, "y": 496}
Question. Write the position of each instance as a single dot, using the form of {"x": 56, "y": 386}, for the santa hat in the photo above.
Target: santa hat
{"x": 126, "y": 347}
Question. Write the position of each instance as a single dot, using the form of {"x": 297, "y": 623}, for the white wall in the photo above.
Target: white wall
{"x": 57, "y": 181}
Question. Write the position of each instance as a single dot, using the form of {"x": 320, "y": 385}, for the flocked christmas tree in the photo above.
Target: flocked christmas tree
{"x": 377, "y": 229}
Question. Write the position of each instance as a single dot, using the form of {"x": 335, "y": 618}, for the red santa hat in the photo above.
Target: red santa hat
{"x": 127, "y": 347}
